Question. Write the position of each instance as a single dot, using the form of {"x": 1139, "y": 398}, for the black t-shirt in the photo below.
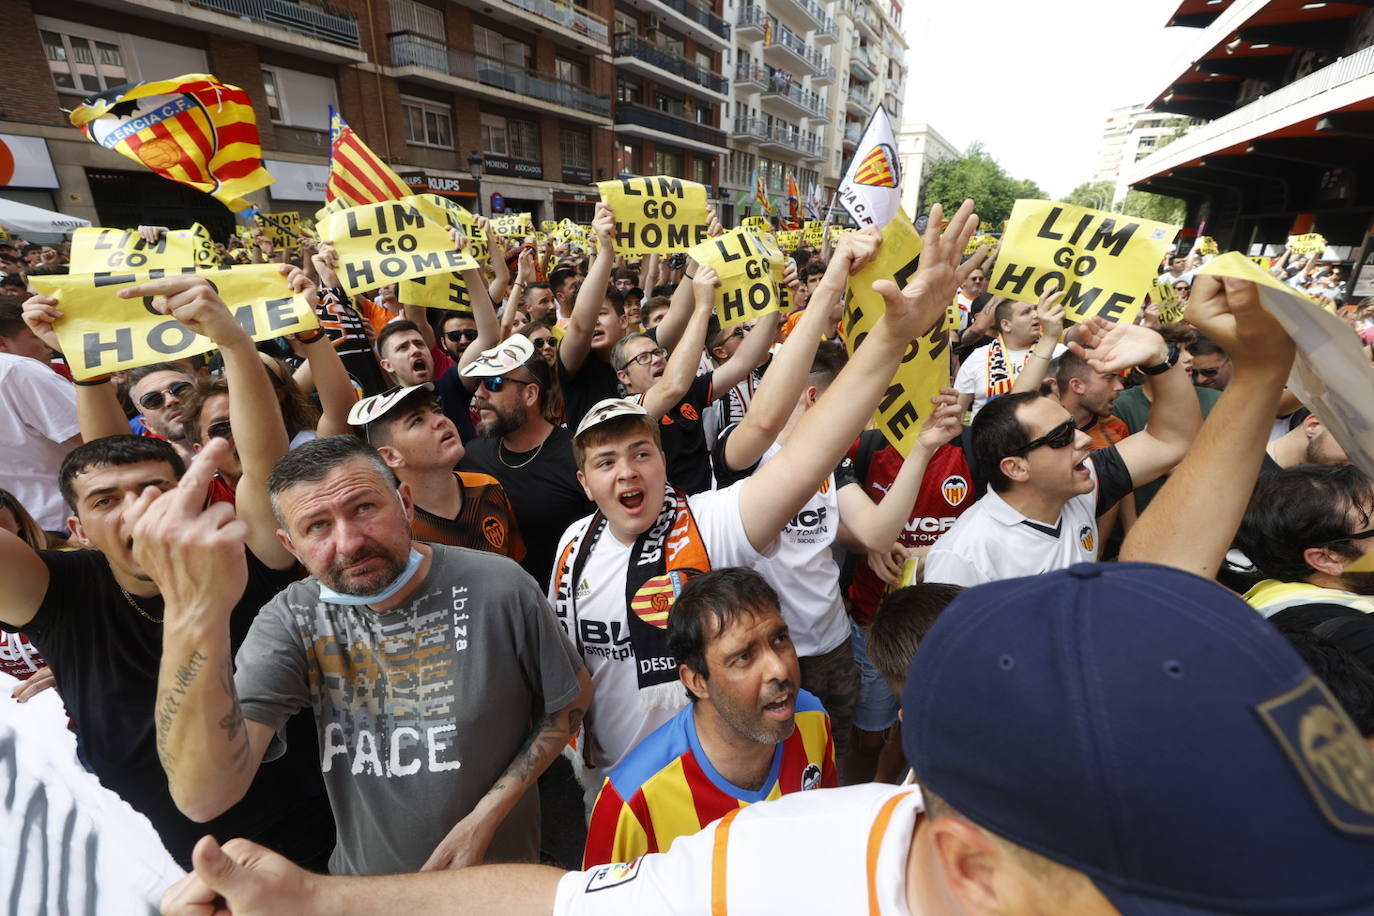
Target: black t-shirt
{"x": 684, "y": 440}
{"x": 1113, "y": 477}
{"x": 454, "y": 400}
{"x": 105, "y": 657}
{"x": 544, "y": 492}
{"x": 595, "y": 381}
{"x": 1348, "y": 628}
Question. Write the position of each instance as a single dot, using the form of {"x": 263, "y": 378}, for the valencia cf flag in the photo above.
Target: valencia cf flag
{"x": 871, "y": 188}
{"x": 192, "y": 129}
{"x": 357, "y": 175}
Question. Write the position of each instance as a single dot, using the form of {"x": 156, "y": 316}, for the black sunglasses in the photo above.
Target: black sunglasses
{"x": 1205, "y": 373}
{"x": 494, "y": 383}
{"x": 220, "y": 430}
{"x": 468, "y": 334}
{"x": 154, "y": 400}
{"x": 1357, "y": 536}
{"x": 542, "y": 342}
{"x": 1059, "y": 437}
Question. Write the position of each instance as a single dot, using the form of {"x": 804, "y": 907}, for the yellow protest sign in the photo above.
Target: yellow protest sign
{"x": 334, "y": 206}
{"x": 436, "y": 291}
{"x": 1308, "y": 243}
{"x": 1105, "y": 262}
{"x": 96, "y": 251}
{"x": 758, "y": 224}
{"x": 813, "y": 233}
{"x": 749, "y": 267}
{"x": 1331, "y": 374}
{"x": 102, "y": 333}
{"x": 980, "y": 241}
{"x": 392, "y": 241}
{"x": 282, "y": 228}
{"x": 512, "y": 225}
{"x": 924, "y": 368}
{"x": 1207, "y": 245}
{"x": 548, "y": 226}
{"x": 657, "y": 214}
{"x": 789, "y": 239}
{"x": 447, "y": 212}
{"x": 1170, "y": 307}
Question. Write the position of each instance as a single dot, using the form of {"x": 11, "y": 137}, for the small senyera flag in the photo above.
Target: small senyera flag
{"x": 356, "y": 175}
{"x": 192, "y": 129}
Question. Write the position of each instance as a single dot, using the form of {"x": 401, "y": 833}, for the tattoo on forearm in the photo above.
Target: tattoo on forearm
{"x": 169, "y": 705}
{"x": 232, "y": 723}
{"x": 551, "y": 735}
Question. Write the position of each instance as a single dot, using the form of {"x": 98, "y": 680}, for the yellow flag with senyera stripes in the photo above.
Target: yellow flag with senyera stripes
{"x": 192, "y": 129}
{"x": 356, "y": 175}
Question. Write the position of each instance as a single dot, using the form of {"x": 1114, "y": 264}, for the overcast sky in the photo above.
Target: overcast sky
{"x": 1035, "y": 81}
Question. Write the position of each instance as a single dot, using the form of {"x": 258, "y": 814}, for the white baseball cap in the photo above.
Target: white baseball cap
{"x": 369, "y": 410}
{"x": 508, "y": 355}
{"x": 609, "y": 409}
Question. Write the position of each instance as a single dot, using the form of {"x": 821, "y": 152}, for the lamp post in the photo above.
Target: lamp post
{"x": 475, "y": 168}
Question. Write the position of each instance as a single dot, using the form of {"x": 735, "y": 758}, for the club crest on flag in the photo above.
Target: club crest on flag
{"x": 656, "y": 596}
{"x": 190, "y": 129}
{"x": 879, "y": 169}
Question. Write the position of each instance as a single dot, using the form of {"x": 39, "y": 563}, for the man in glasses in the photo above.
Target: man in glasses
{"x": 422, "y": 447}
{"x": 1046, "y": 485}
{"x": 158, "y": 393}
{"x": 517, "y": 445}
{"x": 1211, "y": 367}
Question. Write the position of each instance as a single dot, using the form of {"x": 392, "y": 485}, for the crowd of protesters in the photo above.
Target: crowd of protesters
{"x": 364, "y": 597}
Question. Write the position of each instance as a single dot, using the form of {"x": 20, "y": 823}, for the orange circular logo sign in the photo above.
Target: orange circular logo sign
{"x": 6, "y": 163}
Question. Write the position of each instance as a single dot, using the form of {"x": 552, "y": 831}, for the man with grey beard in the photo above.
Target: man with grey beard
{"x": 518, "y": 446}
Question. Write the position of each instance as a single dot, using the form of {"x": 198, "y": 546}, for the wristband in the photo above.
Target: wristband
{"x": 91, "y": 382}
{"x": 1170, "y": 360}
{"x": 311, "y": 339}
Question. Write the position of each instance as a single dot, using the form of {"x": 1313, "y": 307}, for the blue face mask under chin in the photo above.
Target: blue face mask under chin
{"x": 329, "y": 596}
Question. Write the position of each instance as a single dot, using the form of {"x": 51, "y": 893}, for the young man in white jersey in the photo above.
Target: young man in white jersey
{"x": 991, "y": 370}
{"x": 1046, "y": 485}
{"x": 618, "y": 571}
{"x": 1091, "y": 742}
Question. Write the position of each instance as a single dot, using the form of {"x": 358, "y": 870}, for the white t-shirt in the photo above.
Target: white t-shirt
{"x": 37, "y": 415}
{"x": 617, "y": 720}
{"x": 973, "y": 373}
{"x": 808, "y": 852}
{"x": 993, "y": 541}
{"x": 803, "y": 571}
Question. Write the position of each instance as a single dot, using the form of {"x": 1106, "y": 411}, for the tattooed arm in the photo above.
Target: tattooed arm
{"x": 195, "y": 554}
{"x": 467, "y": 842}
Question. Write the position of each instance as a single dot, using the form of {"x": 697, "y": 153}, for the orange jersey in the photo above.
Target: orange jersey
{"x": 666, "y": 787}
{"x": 486, "y": 521}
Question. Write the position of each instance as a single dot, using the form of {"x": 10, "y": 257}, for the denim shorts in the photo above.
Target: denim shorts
{"x": 876, "y": 708}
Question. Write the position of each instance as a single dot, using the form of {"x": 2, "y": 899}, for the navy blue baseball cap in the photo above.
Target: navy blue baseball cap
{"x": 1149, "y": 729}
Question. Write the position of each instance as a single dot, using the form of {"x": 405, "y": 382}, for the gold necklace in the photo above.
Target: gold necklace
{"x": 130, "y": 598}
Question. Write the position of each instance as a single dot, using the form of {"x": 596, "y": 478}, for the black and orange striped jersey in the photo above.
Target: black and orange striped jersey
{"x": 485, "y": 522}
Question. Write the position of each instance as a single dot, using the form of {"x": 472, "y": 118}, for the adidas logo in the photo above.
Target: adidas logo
{"x": 584, "y": 589}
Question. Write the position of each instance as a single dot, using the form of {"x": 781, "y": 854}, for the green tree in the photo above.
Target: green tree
{"x": 1095, "y": 194}
{"x": 1143, "y": 204}
{"x": 977, "y": 175}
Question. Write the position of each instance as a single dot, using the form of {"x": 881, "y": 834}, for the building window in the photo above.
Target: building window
{"x": 512, "y": 137}
{"x": 667, "y": 163}
{"x": 490, "y": 43}
{"x": 83, "y": 65}
{"x": 494, "y": 135}
{"x": 626, "y": 91}
{"x": 627, "y": 159}
{"x": 427, "y": 124}
{"x": 701, "y": 170}
{"x": 269, "y": 85}
{"x": 576, "y": 148}
{"x": 570, "y": 71}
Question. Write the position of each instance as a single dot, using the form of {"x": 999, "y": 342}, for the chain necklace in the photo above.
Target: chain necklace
{"x": 501, "y": 443}
{"x": 130, "y": 598}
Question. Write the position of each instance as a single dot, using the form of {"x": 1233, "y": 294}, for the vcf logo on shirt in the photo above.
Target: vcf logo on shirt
{"x": 954, "y": 489}
{"x": 1086, "y": 538}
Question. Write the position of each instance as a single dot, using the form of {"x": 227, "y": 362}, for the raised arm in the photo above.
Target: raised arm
{"x": 577, "y": 337}
{"x": 750, "y": 354}
{"x": 1051, "y": 316}
{"x": 671, "y": 387}
{"x": 772, "y": 405}
{"x": 98, "y": 413}
{"x": 331, "y": 382}
{"x": 1175, "y": 416}
{"x": 259, "y": 431}
{"x": 1192, "y": 521}
{"x": 670, "y": 329}
{"x": 484, "y": 316}
{"x": 26, "y": 578}
{"x": 524, "y": 275}
{"x": 467, "y": 842}
{"x": 876, "y": 525}
{"x": 496, "y": 260}
{"x": 194, "y": 553}
{"x": 778, "y": 490}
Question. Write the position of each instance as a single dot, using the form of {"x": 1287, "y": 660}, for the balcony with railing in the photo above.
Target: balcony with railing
{"x": 789, "y": 92}
{"x": 825, "y": 75}
{"x": 320, "y": 21}
{"x": 569, "y": 16}
{"x": 786, "y": 44}
{"x": 853, "y": 133}
{"x": 863, "y": 14}
{"x": 634, "y": 115}
{"x": 752, "y": 22}
{"x": 750, "y": 129}
{"x": 633, "y": 48}
{"x": 700, "y": 15}
{"x": 410, "y": 50}
{"x": 750, "y": 76}
{"x": 826, "y": 33}
{"x": 861, "y": 60}
{"x": 858, "y": 99}
{"x": 810, "y": 10}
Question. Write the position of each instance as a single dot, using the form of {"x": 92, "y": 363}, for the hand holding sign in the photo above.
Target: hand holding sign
{"x": 943, "y": 424}
{"x": 1049, "y": 311}
{"x": 1228, "y": 311}
{"x": 603, "y": 225}
{"x": 191, "y": 300}
{"x": 911, "y": 311}
{"x": 39, "y": 314}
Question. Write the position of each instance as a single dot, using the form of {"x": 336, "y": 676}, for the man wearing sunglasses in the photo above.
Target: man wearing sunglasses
{"x": 1046, "y": 485}
{"x": 1211, "y": 367}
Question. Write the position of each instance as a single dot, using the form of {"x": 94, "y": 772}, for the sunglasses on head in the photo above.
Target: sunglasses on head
{"x": 468, "y": 334}
{"x": 542, "y": 342}
{"x": 495, "y": 383}
{"x": 1059, "y": 437}
{"x": 154, "y": 400}
{"x": 220, "y": 430}
{"x": 1357, "y": 536}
